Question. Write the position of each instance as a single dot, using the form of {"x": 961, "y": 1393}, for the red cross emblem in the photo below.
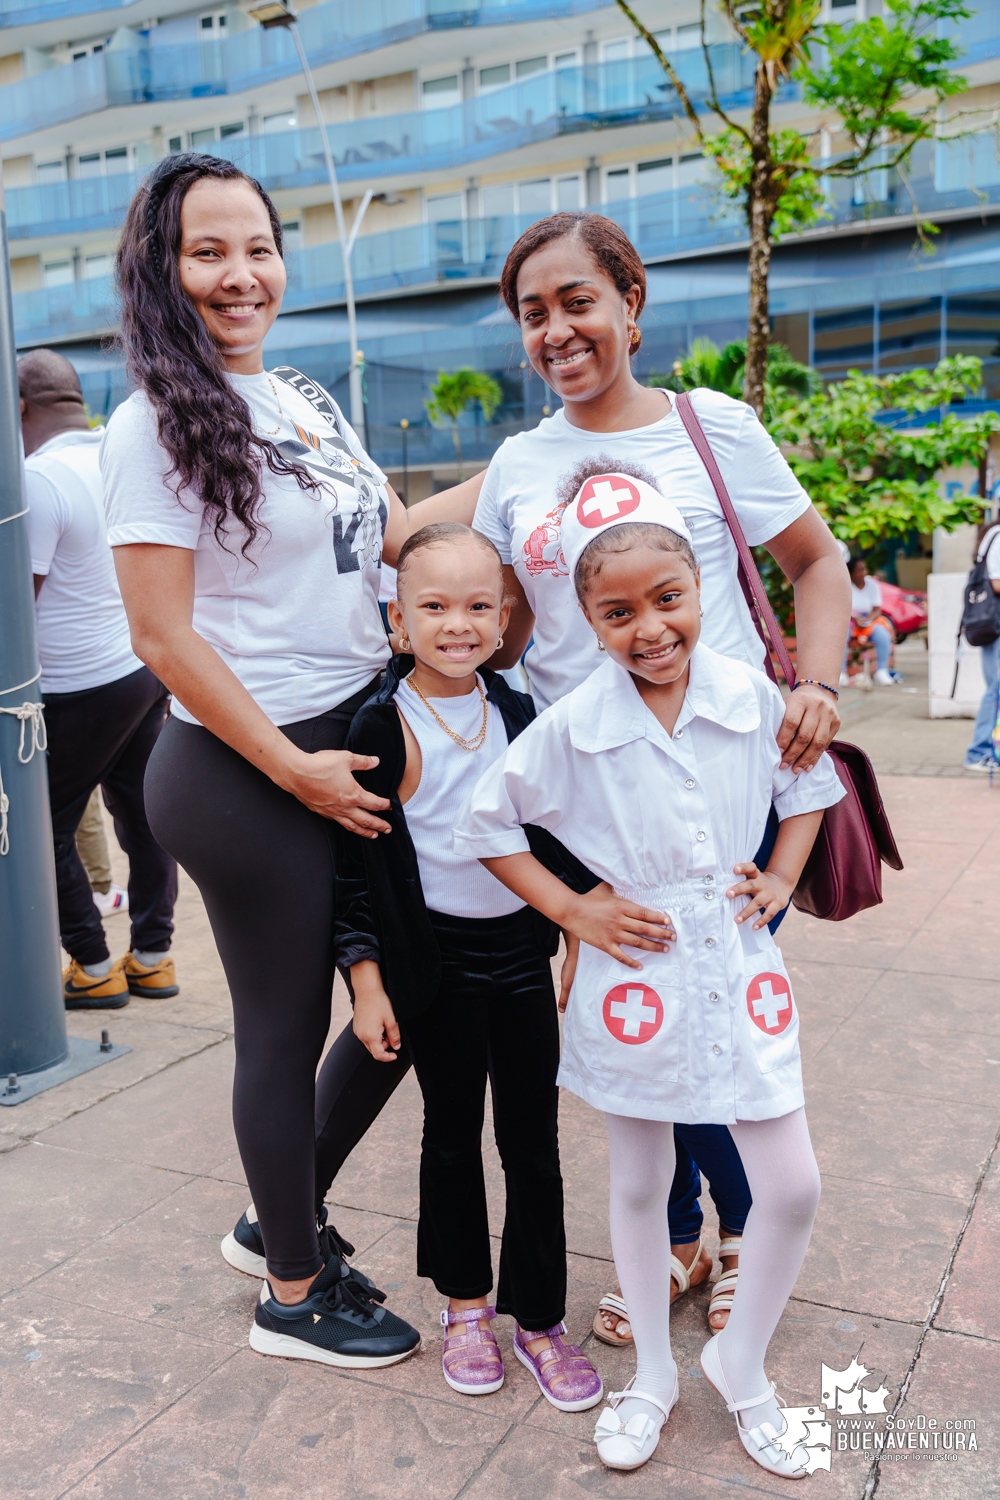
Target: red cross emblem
{"x": 633, "y": 1013}
{"x": 604, "y": 498}
{"x": 769, "y": 1003}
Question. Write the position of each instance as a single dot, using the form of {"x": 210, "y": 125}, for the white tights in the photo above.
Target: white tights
{"x": 784, "y": 1182}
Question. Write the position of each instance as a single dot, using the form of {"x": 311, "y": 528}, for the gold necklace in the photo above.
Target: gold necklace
{"x": 478, "y": 740}
{"x": 270, "y": 431}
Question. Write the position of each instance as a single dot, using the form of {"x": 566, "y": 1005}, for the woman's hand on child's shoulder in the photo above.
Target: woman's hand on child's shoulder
{"x": 607, "y": 921}
{"x": 769, "y": 893}
{"x": 375, "y": 1021}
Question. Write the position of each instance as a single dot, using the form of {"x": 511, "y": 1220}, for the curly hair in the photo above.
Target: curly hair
{"x": 610, "y": 246}
{"x": 203, "y": 423}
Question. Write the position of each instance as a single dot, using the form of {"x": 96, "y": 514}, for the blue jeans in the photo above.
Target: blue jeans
{"x": 712, "y": 1145}
{"x": 982, "y": 731}
{"x": 882, "y": 641}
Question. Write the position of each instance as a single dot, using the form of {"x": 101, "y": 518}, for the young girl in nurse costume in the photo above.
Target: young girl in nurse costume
{"x": 658, "y": 773}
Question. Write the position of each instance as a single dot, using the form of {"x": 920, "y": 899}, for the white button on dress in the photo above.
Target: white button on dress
{"x": 600, "y": 773}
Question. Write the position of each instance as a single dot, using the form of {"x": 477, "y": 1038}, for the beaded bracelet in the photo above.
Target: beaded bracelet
{"x": 815, "y": 682}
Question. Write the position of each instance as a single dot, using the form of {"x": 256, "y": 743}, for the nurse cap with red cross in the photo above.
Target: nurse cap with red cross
{"x": 606, "y": 500}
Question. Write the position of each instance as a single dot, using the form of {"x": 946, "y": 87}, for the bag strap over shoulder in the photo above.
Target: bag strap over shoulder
{"x": 311, "y": 392}
{"x": 750, "y": 580}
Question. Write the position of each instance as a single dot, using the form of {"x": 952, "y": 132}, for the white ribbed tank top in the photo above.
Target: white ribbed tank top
{"x": 453, "y": 885}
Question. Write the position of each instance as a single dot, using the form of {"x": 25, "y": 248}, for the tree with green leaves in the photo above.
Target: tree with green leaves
{"x": 453, "y": 392}
{"x": 883, "y": 79}
{"x": 706, "y": 365}
{"x": 874, "y": 475}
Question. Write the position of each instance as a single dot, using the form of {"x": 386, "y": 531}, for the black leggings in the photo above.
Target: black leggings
{"x": 264, "y": 865}
{"x": 495, "y": 1014}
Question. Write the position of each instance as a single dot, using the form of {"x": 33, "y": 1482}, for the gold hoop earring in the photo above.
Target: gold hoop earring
{"x": 499, "y": 643}
{"x": 404, "y": 643}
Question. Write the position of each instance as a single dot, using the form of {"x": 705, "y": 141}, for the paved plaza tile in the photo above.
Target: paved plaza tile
{"x": 124, "y": 1367}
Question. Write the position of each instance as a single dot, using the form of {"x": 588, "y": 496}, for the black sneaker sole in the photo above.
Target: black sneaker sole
{"x": 284, "y": 1346}
{"x": 135, "y": 988}
{"x": 84, "y": 1001}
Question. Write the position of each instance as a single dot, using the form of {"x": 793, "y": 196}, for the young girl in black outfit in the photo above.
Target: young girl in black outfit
{"x": 439, "y": 951}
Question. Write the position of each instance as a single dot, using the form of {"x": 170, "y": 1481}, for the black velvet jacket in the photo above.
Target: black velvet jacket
{"x": 381, "y": 913}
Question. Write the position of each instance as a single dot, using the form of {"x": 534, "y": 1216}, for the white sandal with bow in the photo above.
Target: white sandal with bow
{"x": 630, "y": 1444}
{"x": 763, "y": 1443}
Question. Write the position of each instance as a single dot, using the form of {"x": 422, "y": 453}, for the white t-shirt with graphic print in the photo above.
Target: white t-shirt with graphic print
{"x": 520, "y": 512}
{"x": 297, "y": 620}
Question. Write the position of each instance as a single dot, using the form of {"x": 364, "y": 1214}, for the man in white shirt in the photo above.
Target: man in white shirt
{"x": 979, "y": 756}
{"x": 103, "y": 708}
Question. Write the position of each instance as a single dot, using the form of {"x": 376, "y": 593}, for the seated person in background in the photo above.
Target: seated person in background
{"x": 869, "y": 626}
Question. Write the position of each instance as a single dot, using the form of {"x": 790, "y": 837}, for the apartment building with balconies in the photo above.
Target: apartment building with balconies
{"x": 460, "y": 122}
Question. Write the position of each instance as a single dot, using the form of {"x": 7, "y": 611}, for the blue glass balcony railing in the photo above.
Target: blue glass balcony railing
{"x": 943, "y": 179}
{"x": 147, "y": 72}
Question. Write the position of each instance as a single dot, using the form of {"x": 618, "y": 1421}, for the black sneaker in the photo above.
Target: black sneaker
{"x": 243, "y": 1247}
{"x": 339, "y": 1323}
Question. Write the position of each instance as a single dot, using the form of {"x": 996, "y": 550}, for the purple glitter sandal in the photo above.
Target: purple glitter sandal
{"x": 565, "y": 1375}
{"x": 471, "y": 1362}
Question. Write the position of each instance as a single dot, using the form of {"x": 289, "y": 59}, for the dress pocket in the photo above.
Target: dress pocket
{"x": 769, "y": 1011}
{"x": 638, "y": 1018}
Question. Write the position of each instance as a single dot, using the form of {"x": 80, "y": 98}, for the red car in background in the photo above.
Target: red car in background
{"x": 906, "y": 610}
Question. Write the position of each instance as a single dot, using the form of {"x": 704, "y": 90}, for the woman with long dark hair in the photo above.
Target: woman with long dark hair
{"x": 248, "y": 527}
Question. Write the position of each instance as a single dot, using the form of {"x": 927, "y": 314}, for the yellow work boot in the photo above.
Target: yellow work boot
{"x": 156, "y": 983}
{"x": 82, "y": 991}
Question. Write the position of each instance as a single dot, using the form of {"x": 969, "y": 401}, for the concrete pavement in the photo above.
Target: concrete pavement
{"x": 125, "y": 1368}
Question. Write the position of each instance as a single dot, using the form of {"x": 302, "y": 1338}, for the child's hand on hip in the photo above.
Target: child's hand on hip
{"x": 607, "y": 921}
{"x": 769, "y": 893}
{"x": 568, "y": 972}
{"x": 375, "y": 1023}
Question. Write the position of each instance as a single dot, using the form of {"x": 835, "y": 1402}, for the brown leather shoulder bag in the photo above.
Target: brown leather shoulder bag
{"x": 843, "y": 874}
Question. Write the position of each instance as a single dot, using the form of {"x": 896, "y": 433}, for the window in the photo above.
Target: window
{"x": 441, "y": 93}
{"x": 688, "y": 36}
{"x": 213, "y": 25}
{"x": 51, "y": 171}
{"x": 116, "y": 160}
{"x": 909, "y": 333}
{"x": 291, "y": 234}
{"x": 227, "y": 130}
{"x": 568, "y": 194}
{"x": 531, "y": 65}
{"x": 98, "y": 265}
{"x": 618, "y": 184}
{"x": 617, "y": 51}
{"x": 285, "y": 121}
{"x": 664, "y": 39}
{"x": 973, "y": 325}
{"x": 494, "y": 78}
{"x": 843, "y": 340}
{"x": 497, "y": 200}
{"x": 58, "y": 273}
{"x": 446, "y": 208}
{"x": 174, "y": 143}
{"x": 535, "y": 198}
{"x": 202, "y": 137}
{"x": 655, "y": 176}
{"x": 90, "y": 165}
{"x": 566, "y": 60}
{"x": 77, "y": 56}
{"x": 691, "y": 169}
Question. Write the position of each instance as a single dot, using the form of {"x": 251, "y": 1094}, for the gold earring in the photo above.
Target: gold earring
{"x": 499, "y": 643}
{"x": 404, "y": 643}
{"x": 600, "y": 645}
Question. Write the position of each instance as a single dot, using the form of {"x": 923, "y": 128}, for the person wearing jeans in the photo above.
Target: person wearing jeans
{"x": 980, "y": 756}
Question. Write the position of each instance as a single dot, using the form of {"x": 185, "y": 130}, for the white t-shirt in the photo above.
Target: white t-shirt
{"x": 864, "y": 600}
{"x": 991, "y": 544}
{"x": 297, "y": 619}
{"x": 456, "y": 885}
{"x": 83, "y": 636}
{"x": 520, "y": 511}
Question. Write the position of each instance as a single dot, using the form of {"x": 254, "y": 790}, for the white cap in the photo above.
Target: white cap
{"x": 607, "y": 500}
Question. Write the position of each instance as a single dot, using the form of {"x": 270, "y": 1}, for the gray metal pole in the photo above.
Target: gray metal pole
{"x": 346, "y": 245}
{"x": 32, "y": 1011}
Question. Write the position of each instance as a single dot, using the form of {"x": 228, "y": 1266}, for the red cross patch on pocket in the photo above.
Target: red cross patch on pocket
{"x": 633, "y": 1013}
{"x": 769, "y": 1003}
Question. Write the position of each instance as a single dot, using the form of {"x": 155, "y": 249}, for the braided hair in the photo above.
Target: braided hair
{"x": 203, "y": 423}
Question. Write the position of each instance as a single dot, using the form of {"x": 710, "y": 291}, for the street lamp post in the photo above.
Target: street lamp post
{"x": 405, "y": 427}
{"x": 277, "y": 13}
